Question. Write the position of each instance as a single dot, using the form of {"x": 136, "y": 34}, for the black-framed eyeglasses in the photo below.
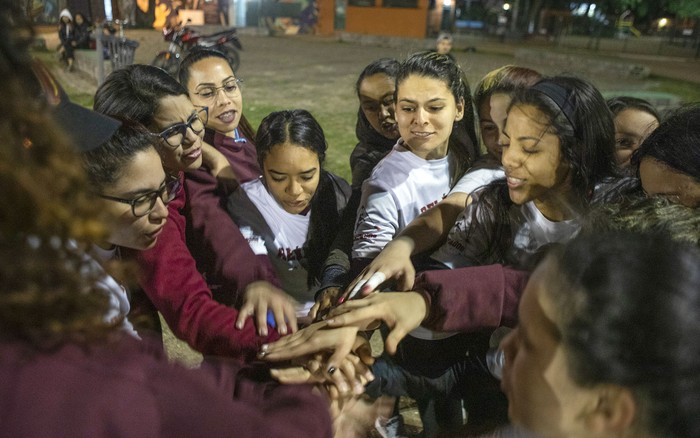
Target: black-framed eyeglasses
{"x": 174, "y": 134}
{"x": 231, "y": 88}
{"x": 144, "y": 204}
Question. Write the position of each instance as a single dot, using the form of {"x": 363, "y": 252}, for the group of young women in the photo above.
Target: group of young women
{"x": 238, "y": 237}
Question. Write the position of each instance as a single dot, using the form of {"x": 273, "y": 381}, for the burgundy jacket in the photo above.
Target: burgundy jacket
{"x": 472, "y": 298}
{"x": 129, "y": 389}
{"x": 171, "y": 281}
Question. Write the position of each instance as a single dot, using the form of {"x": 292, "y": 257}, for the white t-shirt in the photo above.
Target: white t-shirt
{"x": 466, "y": 247}
{"x": 118, "y": 295}
{"x": 281, "y": 238}
{"x": 473, "y": 180}
{"x": 401, "y": 187}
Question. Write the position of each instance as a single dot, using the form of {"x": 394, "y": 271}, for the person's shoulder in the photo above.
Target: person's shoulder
{"x": 338, "y": 180}
{"x": 397, "y": 163}
{"x": 250, "y": 194}
{"x": 253, "y": 187}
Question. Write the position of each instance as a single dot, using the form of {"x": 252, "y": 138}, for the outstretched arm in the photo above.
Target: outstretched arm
{"x": 424, "y": 233}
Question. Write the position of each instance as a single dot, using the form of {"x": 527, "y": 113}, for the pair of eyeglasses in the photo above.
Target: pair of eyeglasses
{"x": 231, "y": 88}
{"x": 174, "y": 135}
{"x": 145, "y": 203}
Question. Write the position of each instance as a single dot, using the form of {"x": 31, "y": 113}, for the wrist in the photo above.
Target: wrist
{"x": 422, "y": 304}
{"x": 403, "y": 244}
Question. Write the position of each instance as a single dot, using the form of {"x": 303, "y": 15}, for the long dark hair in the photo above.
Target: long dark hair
{"x": 184, "y": 76}
{"x": 627, "y": 309}
{"x": 620, "y": 103}
{"x": 676, "y": 142}
{"x": 583, "y": 123}
{"x": 372, "y": 146}
{"x": 105, "y": 165}
{"x": 135, "y": 91}
{"x": 299, "y": 127}
{"x": 462, "y": 143}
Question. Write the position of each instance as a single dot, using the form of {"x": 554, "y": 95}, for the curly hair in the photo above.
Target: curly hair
{"x": 47, "y": 289}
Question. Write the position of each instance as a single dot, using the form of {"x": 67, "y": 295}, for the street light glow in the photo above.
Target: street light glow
{"x": 506, "y": 6}
{"x": 663, "y": 22}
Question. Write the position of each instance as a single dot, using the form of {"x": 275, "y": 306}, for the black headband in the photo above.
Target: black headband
{"x": 560, "y": 96}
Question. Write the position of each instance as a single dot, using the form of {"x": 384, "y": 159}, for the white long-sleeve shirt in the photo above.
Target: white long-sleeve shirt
{"x": 401, "y": 187}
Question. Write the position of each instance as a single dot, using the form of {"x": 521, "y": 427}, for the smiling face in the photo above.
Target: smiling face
{"x": 535, "y": 168}
{"x": 225, "y": 107}
{"x": 376, "y": 95}
{"x": 173, "y": 110}
{"x": 426, "y": 112}
{"x": 632, "y": 126}
{"x": 292, "y": 175}
{"x": 143, "y": 174}
{"x": 542, "y": 397}
{"x": 662, "y": 180}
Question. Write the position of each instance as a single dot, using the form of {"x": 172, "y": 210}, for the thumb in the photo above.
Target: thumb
{"x": 393, "y": 339}
{"x": 314, "y": 310}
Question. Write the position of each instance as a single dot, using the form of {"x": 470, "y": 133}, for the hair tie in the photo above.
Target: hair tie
{"x": 560, "y": 96}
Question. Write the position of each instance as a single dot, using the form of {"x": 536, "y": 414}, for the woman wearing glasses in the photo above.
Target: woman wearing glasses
{"x": 211, "y": 83}
{"x": 127, "y": 172}
{"x": 170, "y": 273}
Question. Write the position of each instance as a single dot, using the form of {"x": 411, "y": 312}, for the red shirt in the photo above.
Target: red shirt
{"x": 472, "y": 298}
{"x": 129, "y": 389}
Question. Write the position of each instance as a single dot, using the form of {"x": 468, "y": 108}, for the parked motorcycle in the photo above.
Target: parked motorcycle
{"x": 184, "y": 39}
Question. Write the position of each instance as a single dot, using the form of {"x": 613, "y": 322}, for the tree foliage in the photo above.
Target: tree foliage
{"x": 685, "y": 8}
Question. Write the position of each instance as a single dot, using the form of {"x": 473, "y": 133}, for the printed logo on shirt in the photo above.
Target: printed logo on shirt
{"x": 432, "y": 204}
{"x": 458, "y": 234}
{"x": 289, "y": 254}
{"x": 428, "y": 207}
{"x": 366, "y": 220}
